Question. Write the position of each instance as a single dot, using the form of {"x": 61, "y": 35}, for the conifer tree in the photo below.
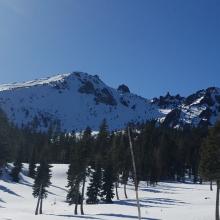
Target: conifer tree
{"x": 4, "y": 140}
{"x": 41, "y": 182}
{"x": 17, "y": 166}
{"x": 102, "y": 145}
{"x": 74, "y": 196}
{"x": 32, "y": 164}
{"x": 103, "y": 141}
{"x": 3, "y": 156}
{"x": 86, "y": 145}
{"x": 16, "y": 171}
{"x": 94, "y": 189}
{"x": 118, "y": 156}
{"x": 74, "y": 176}
{"x": 125, "y": 164}
{"x": 77, "y": 172}
{"x": 107, "y": 193}
{"x": 210, "y": 161}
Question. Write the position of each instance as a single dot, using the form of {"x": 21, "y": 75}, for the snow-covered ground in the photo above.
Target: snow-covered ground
{"x": 167, "y": 201}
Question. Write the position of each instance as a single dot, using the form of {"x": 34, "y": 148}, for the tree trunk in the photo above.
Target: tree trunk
{"x": 217, "y": 202}
{"x": 76, "y": 202}
{"x": 76, "y": 207}
{"x": 125, "y": 190}
{"x": 41, "y": 205}
{"x": 200, "y": 180}
{"x": 116, "y": 190}
{"x": 135, "y": 174}
{"x": 211, "y": 186}
{"x": 195, "y": 179}
{"x": 38, "y": 201}
{"x": 83, "y": 191}
{"x": 190, "y": 173}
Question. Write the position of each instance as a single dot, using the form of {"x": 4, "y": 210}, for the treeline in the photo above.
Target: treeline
{"x": 161, "y": 154}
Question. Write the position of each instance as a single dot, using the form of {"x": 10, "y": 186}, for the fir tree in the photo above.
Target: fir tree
{"x": 41, "y": 182}
{"x": 210, "y": 161}
{"x": 32, "y": 165}
{"x": 101, "y": 148}
{"x": 5, "y": 131}
{"x": 3, "y": 156}
{"x": 125, "y": 161}
{"x": 17, "y": 167}
{"x": 74, "y": 176}
{"x": 107, "y": 193}
{"x": 74, "y": 196}
{"x": 77, "y": 171}
{"x": 94, "y": 189}
{"x": 102, "y": 141}
{"x": 86, "y": 146}
{"x": 16, "y": 171}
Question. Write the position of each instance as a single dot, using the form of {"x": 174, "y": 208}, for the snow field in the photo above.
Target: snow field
{"x": 167, "y": 201}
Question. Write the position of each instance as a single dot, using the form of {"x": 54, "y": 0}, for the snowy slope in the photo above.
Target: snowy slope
{"x": 199, "y": 109}
{"x": 167, "y": 201}
{"x": 76, "y": 100}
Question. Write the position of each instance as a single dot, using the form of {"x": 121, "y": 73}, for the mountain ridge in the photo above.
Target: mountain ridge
{"x": 77, "y": 100}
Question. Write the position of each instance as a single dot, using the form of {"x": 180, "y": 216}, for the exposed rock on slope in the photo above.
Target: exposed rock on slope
{"x": 75, "y": 100}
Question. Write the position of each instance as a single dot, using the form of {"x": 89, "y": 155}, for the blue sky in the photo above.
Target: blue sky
{"x": 153, "y": 46}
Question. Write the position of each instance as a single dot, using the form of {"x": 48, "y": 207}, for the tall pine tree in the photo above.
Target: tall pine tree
{"x": 94, "y": 188}
{"x": 17, "y": 166}
{"x": 32, "y": 164}
{"x": 210, "y": 161}
{"x": 107, "y": 193}
{"x": 41, "y": 182}
{"x": 74, "y": 177}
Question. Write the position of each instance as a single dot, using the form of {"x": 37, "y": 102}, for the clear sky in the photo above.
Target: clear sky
{"x": 153, "y": 46}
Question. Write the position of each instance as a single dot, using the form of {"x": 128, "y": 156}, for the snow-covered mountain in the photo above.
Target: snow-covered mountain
{"x": 76, "y": 100}
{"x": 199, "y": 109}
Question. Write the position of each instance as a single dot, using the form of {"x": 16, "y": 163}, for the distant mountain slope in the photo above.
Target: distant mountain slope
{"x": 76, "y": 100}
{"x": 199, "y": 109}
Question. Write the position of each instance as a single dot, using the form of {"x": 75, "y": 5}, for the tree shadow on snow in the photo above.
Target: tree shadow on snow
{"x": 5, "y": 189}
{"x": 127, "y": 216}
{"x": 75, "y": 216}
{"x": 59, "y": 188}
{"x": 1, "y": 207}
{"x": 163, "y": 201}
{"x": 169, "y": 185}
{"x": 151, "y": 202}
{"x": 2, "y": 201}
{"x": 131, "y": 202}
{"x": 155, "y": 190}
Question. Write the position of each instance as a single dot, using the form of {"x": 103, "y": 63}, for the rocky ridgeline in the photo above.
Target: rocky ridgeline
{"x": 76, "y": 100}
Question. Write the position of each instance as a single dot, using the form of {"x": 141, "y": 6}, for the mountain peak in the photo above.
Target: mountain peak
{"x": 75, "y": 100}
{"x": 123, "y": 88}
{"x": 51, "y": 80}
